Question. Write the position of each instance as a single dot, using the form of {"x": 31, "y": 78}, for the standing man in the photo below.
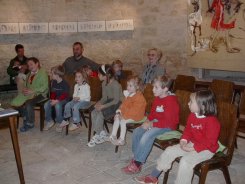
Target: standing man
{"x": 17, "y": 64}
{"x": 76, "y": 61}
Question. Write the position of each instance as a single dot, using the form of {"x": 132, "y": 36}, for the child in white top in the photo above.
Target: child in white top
{"x": 81, "y": 98}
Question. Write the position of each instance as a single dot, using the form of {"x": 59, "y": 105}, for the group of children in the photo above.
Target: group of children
{"x": 198, "y": 142}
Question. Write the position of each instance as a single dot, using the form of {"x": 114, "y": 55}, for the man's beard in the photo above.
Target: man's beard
{"x": 77, "y": 56}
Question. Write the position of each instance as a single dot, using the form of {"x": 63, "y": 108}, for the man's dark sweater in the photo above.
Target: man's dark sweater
{"x": 71, "y": 64}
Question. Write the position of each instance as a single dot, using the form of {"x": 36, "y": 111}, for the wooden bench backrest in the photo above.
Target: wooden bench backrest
{"x": 183, "y": 98}
{"x": 149, "y": 97}
{"x": 223, "y": 90}
{"x": 184, "y": 82}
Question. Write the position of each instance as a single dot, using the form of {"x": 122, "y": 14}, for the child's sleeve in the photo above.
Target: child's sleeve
{"x": 87, "y": 93}
{"x": 103, "y": 99}
{"x": 153, "y": 109}
{"x": 42, "y": 84}
{"x": 210, "y": 139}
{"x": 187, "y": 132}
{"x": 117, "y": 91}
{"x": 75, "y": 91}
{"x": 65, "y": 94}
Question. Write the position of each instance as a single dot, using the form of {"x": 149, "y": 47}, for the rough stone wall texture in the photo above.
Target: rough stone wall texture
{"x": 158, "y": 23}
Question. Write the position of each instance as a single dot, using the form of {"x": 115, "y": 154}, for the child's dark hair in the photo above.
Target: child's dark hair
{"x": 35, "y": 60}
{"x": 117, "y": 62}
{"x": 164, "y": 81}
{"x": 58, "y": 70}
{"x": 206, "y": 102}
{"x": 137, "y": 82}
{"x": 84, "y": 75}
{"x": 106, "y": 70}
{"x": 86, "y": 68}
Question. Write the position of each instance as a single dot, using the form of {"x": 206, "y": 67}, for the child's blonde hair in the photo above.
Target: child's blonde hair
{"x": 137, "y": 82}
{"x": 84, "y": 74}
{"x": 117, "y": 62}
{"x": 164, "y": 81}
{"x": 58, "y": 70}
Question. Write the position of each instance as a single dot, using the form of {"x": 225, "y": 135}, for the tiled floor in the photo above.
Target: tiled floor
{"x": 54, "y": 158}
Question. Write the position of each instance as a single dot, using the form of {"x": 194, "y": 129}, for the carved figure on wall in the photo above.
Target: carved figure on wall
{"x": 224, "y": 18}
{"x": 210, "y": 23}
{"x": 195, "y": 21}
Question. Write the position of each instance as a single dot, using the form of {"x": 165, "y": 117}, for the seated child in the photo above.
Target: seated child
{"x": 132, "y": 109}
{"x": 106, "y": 106}
{"x": 198, "y": 143}
{"x": 81, "y": 98}
{"x": 117, "y": 67}
{"x": 87, "y": 69}
{"x": 164, "y": 116}
{"x": 20, "y": 79}
{"x": 59, "y": 94}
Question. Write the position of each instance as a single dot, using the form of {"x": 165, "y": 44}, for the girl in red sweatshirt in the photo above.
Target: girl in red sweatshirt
{"x": 164, "y": 117}
{"x": 198, "y": 143}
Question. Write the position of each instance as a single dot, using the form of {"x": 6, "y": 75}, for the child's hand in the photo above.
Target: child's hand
{"x": 187, "y": 148}
{"x": 182, "y": 143}
{"x": 27, "y": 91}
{"x": 23, "y": 68}
{"x": 76, "y": 99}
{"x": 99, "y": 107}
{"x": 146, "y": 125}
{"x": 54, "y": 102}
{"x": 118, "y": 116}
{"x": 97, "y": 104}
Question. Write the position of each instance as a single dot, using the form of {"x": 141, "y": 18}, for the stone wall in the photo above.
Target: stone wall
{"x": 158, "y": 23}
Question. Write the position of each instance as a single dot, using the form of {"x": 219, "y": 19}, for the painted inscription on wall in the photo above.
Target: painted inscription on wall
{"x": 91, "y": 26}
{"x": 66, "y": 27}
{"x": 119, "y": 25}
{"x": 9, "y": 28}
{"x": 33, "y": 27}
{"x": 62, "y": 27}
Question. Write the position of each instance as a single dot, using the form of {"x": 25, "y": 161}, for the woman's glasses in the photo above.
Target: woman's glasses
{"x": 151, "y": 55}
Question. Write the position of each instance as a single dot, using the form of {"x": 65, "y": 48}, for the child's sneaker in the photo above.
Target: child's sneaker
{"x": 64, "y": 123}
{"x": 58, "y": 128}
{"x": 113, "y": 139}
{"x": 119, "y": 142}
{"x": 146, "y": 179}
{"x": 131, "y": 168}
{"x": 104, "y": 137}
{"x": 48, "y": 125}
{"x": 73, "y": 127}
{"x": 93, "y": 140}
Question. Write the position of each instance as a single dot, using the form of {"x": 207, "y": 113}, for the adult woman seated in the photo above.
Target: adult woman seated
{"x": 153, "y": 68}
{"x": 34, "y": 90}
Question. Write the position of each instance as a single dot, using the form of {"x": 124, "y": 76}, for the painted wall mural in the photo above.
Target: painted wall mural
{"x": 216, "y": 34}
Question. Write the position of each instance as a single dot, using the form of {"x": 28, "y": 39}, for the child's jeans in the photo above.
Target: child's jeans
{"x": 143, "y": 140}
{"x": 74, "y": 106}
{"x": 58, "y": 111}
{"x": 122, "y": 122}
{"x": 187, "y": 162}
{"x": 28, "y": 110}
